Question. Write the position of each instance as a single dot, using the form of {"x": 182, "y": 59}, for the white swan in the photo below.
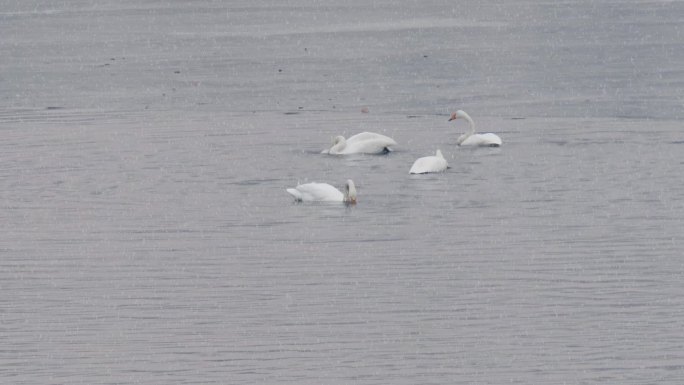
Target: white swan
{"x": 363, "y": 143}
{"x": 427, "y": 164}
{"x": 323, "y": 192}
{"x": 471, "y": 138}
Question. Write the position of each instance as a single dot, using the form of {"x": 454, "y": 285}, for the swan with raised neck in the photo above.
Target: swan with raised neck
{"x": 470, "y": 138}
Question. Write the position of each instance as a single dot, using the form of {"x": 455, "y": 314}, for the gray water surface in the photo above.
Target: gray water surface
{"x": 147, "y": 236}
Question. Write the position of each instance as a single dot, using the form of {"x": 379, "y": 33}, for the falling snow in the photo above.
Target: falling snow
{"x": 148, "y": 237}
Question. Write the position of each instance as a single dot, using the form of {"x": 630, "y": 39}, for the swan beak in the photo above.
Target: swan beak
{"x": 450, "y": 119}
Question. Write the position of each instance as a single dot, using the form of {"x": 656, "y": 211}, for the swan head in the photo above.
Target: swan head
{"x": 458, "y": 114}
{"x": 350, "y": 192}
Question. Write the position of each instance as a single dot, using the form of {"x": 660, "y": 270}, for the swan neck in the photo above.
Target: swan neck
{"x": 471, "y": 123}
{"x": 338, "y": 145}
{"x": 350, "y": 192}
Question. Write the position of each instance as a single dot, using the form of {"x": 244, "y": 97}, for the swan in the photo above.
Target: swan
{"x": 323, "y": 192}
{"x": 426, "y": 164}
{"x": 471, "y": 138}
{"x": 363, "y": 143}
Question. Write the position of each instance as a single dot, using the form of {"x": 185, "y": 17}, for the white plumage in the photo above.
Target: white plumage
{"x": 362, "y": 143}
{"x": 323, "y": 192}
{"x": 427, "y": 164}
{"x": 470, "y": 138}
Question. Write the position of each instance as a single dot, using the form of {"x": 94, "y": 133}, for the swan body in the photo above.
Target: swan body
{"x": 363, "y": 143}
{"x": 323, "y": 192}
{"x": 427, "y": 164}
{"x": 470, "y": 138}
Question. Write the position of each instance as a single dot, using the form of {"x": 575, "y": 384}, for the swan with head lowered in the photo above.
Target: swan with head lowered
{"x": 363, "y": 143}
{"x": 427, "y": 164}
{"x": 323, "y": 192}
{"x": 470, "y": 138}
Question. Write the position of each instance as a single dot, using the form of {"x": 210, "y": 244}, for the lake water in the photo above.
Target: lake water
{"x": 147, "y": 236}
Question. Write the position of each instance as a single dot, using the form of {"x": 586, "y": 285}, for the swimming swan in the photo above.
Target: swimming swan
{"x": 471, "y": 138}
{"x": 427, "y": 164}
{"x": 323, "y": 192}
{"x": 363, "y": 143}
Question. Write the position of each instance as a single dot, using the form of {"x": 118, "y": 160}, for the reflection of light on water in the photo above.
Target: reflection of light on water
{"x": 341, "y": 28}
